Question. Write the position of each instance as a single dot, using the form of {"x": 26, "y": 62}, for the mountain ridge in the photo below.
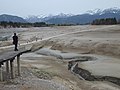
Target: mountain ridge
{"x": 85, "y": 18}
{"x": 62, "y": 18}
{"x": 11, "y": 18}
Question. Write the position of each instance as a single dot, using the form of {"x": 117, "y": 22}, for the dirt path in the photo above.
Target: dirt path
{"x": 65, "y": 31}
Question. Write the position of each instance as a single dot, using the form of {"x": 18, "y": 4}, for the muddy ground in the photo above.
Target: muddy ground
{"x": 45, "y": 68}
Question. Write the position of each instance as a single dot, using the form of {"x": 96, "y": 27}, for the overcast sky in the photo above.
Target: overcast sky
{"x": 24, "y": 8}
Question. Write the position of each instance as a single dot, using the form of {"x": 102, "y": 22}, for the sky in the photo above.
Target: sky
{"x": 25, "y": 8}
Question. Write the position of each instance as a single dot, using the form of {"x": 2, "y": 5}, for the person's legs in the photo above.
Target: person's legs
{"x": 16, "y": 47}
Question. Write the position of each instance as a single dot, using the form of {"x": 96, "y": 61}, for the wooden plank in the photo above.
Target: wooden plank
{"x": 7, "y": 69}
{"x": 10, "y": 56}
{"x": 18, "y": 64}
{"x": 6, "y": 56}
{"x": 7, "y": 66}
{"x": 1, "y": 73}
{"x": 12, "y": 69}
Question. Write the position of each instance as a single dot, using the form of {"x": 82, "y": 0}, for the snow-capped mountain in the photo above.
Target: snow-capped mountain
{"x": 33, "y": 19}
{"x": 62, "y": 15}
{"x": 112, "y": 10}
{"x": 100, "y": 11}
{"x": 62, "y": 18}
{"x": 95, "y": 11}
{"x": 88, "y": 17}
{"x": 43, "y": 18}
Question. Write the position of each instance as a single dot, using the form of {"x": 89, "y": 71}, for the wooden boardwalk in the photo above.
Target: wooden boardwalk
{"x": 8, "y": 58}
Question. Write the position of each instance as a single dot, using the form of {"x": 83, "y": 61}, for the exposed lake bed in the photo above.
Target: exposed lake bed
{"x": 93, "y": 48}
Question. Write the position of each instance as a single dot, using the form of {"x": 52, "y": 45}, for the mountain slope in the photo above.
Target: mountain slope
{"x": 85, "y": 18}
{"x": 8, "y": 18}
{"x": 88, "y": 17}
{"x": 43, "y": 18}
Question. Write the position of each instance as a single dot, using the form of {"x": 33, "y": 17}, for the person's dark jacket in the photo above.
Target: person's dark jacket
{"x": 15, "y": 40}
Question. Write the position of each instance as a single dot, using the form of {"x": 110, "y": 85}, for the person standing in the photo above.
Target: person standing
{"x": 15, "y": 41}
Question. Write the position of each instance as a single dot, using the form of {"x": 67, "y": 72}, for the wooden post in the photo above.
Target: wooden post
{"x": 18, "y": 64}
{"x": 1, "y": 73}
{"x": 7, "y": 69}
{"x": 12, "y": 69}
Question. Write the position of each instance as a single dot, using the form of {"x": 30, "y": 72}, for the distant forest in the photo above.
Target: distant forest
{"x": 106, "y": 21}
{"x": 4, "y": 24}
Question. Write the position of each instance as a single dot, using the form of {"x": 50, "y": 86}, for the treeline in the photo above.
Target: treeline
{"x": 23, "y": 25}
{"x": 106, "y": 21}
{"x": 65, "y": 24}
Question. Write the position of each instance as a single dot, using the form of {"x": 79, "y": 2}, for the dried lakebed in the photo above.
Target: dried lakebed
{"x": 88, "y": 67}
